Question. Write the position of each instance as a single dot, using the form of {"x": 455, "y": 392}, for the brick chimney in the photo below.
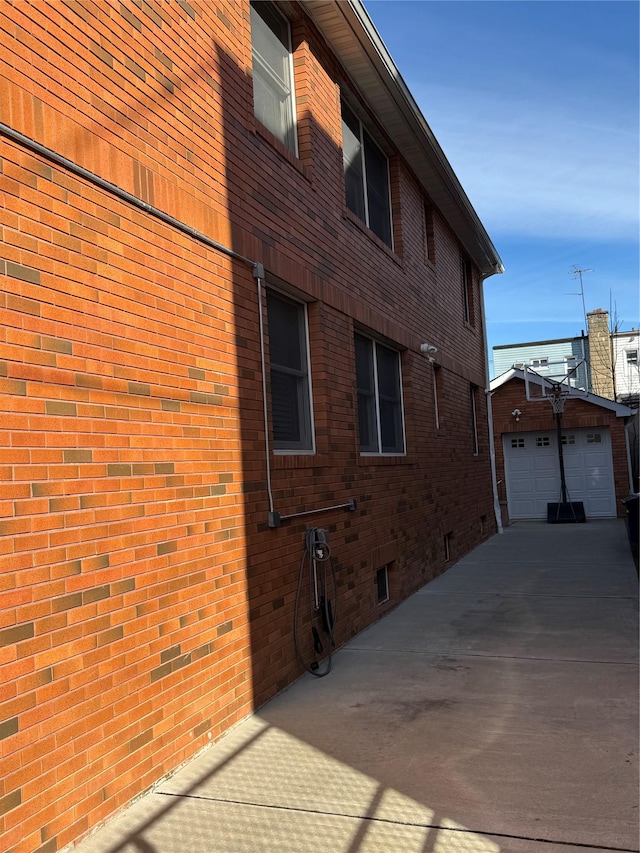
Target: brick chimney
{"x": 600, "y": 353}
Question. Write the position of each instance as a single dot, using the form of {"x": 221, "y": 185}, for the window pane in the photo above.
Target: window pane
{"x": 377, "y": 190}
{"x": 366, "y": 400}
{"x": 272, "y": 89}
{"x": 391, "y": 426}
{"x": 364, "y": 364}
{"x": 286, "y": 342}
{"x": 285, "y": 408}
{"x": 352, "y": 162}
{"x": 290, "y": 398}
{"x": 388, "y": 365}
{"x": 367, "y": 423}
{"x": 388, "y": 373}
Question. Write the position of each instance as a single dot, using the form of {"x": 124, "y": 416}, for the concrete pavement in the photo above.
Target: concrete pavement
{"x": 495, "y": 711}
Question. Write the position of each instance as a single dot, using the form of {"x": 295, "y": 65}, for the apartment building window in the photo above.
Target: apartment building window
{"x": 291, "y": 411}
{"x": 273, "y": 96}
{"x": 539, "y": 363}
{"x": 466, "y": 273}
{"x": 366, "y": 177}
{"x": 571, "y": 369}
{"x": 474, "y": 419}
{"x": 379, "y": 387}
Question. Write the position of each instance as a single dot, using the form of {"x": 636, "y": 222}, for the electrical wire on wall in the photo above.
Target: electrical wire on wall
{"x": 319, "y": 564}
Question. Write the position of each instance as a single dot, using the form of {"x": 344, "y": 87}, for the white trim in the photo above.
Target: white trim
{"x": 513, "y": 373}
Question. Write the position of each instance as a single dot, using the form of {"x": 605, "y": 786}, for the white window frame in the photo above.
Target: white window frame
{"x": 300, "y": 450}
{"x": 631, "y": 356}
{"x": 376, "y": 399}
{"x": 289, "y": 138}
{"x": 363, "y": 164}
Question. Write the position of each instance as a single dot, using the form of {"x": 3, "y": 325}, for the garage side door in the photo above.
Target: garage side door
{"x": 533, "y": 477}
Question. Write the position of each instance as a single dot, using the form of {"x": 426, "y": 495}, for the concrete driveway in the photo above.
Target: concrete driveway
{"x": 495, "y": 711}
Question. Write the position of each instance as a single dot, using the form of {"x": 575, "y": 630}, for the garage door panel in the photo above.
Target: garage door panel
{"x": 532, "y": 472}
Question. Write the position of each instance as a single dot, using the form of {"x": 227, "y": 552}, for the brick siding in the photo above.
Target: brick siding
{"x": 145, "y": 604}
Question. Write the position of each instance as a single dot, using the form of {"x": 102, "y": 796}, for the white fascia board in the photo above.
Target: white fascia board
{"x": 620, "y": 410}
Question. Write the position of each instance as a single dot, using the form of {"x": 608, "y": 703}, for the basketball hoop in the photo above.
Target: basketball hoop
{"x": 557, "y": 399}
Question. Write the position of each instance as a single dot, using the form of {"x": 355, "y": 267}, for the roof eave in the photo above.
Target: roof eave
{"x": 354, "y": 40}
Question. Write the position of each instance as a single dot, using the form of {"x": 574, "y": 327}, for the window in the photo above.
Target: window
{"x": 466, "y": 273}
{"x": 571, "y": 369}
{"x": 366, "y": 177}
{"x": 474, "y": 420}
{"x": 567, "y": 439}
{"x": 543, "y": 441}
{"x": 594, "y": 438}
{"x": 382, "y": 584}
{"x": 517, "y": 442}
{"x": 540, "y": 363}
{"x": 447, "y": 546}
{"x": 632, "y": 358}
{"x": 430, "y": 240}
{"x": 273, "y": 101}
{"x": 290, "y": 380}
{"x": 379, "y": 387}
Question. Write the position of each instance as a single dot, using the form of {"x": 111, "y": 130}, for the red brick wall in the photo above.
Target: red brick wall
{"x": 145, "y": 605}
{"x": 578, "y": 414}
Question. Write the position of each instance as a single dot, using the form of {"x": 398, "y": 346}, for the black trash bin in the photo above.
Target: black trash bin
{"x": 632, "y": 505}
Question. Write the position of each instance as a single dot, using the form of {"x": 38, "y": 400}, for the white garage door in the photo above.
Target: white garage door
{"x": 532, "y": 471}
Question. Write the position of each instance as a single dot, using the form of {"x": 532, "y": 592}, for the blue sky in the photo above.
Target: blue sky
{"x": 535, "y": 104}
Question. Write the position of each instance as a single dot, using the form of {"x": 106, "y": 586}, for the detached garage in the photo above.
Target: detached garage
{"x": 594, "y": 444}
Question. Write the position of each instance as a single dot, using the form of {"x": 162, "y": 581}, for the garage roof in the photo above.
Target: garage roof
{"x": 574, "y": 393}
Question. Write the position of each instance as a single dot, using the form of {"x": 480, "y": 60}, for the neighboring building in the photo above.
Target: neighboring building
{"x": 211, "y": 171}
{"x": 625, "y": 347}
{"x": 603, "y": 362}
{"x": 563, "y": 359}
{"x": 595, "y": 450}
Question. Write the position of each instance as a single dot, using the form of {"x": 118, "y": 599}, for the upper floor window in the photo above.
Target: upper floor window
{"x": 366, "y": 177}
{"x": 430, "y": 241}
{"x": 466, "y": 273}
{"x": 273, "y": 100}
{"x": 539, "y": 363}
{"x": 632, "y": 357}
{"x": 571, "y": 369}
{"x": 379, "y": 387}
{"x": 290, "y": 378}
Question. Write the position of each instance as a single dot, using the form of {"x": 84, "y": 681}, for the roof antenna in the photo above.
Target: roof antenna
{"x": 576, "y": 272}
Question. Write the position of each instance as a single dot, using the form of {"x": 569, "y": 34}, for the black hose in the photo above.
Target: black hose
{"x": 329, "y": 618}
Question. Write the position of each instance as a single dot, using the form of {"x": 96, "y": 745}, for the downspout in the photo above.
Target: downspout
{"x": 487, "y": 391}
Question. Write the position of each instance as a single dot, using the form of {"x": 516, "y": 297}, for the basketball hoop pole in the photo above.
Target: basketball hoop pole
{"x": 566, "y": 510}
{"x": 563, "y": 481}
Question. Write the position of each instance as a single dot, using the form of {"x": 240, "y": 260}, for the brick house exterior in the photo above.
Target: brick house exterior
{"x": 146, "y": 603}
{"x": 508, "y": 394}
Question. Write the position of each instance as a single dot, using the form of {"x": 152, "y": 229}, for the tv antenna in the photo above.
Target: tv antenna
{"x": 576, "y": 272}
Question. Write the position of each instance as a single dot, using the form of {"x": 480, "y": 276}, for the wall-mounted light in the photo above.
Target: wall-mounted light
{"x": 516, "y": 414}
{"x": 429, "y": 350}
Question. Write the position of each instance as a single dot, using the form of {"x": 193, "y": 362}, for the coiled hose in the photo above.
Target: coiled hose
{"x": 317, "y": 556}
